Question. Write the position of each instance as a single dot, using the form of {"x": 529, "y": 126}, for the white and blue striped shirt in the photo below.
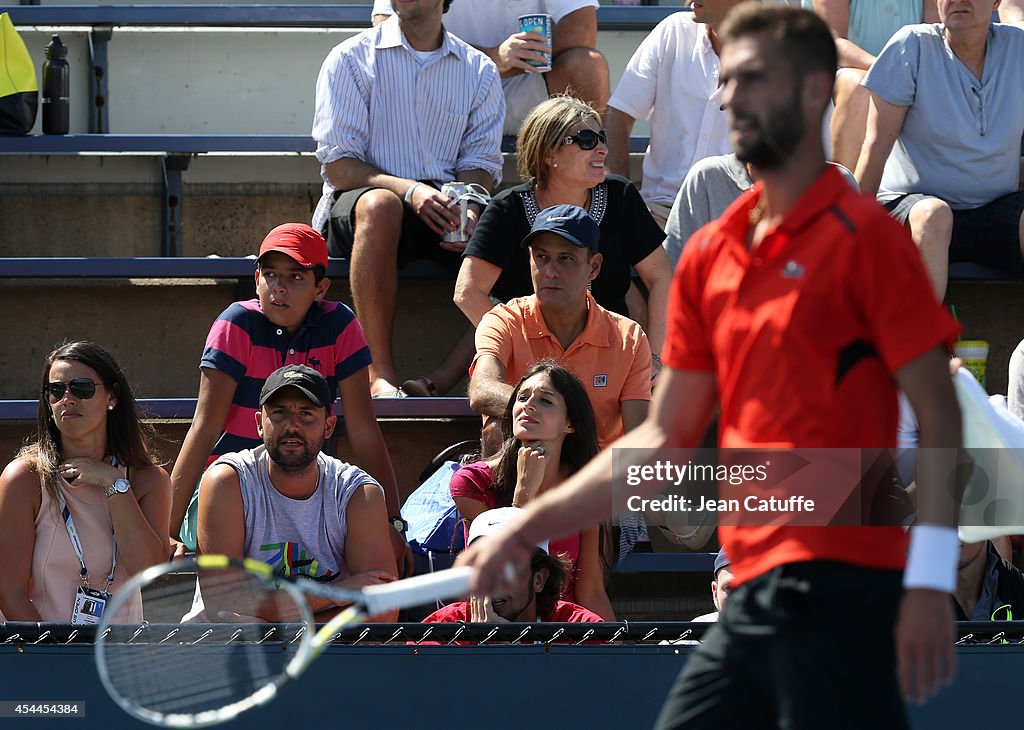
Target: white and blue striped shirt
{"x": 417, "y": 116}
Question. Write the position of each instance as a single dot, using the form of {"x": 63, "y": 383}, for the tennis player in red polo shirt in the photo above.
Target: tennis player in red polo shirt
{"x": 801, "y": 311}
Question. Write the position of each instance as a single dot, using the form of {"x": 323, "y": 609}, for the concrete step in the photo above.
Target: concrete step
{"x": 93, "y": 205}
{"x": 156, "y": 328}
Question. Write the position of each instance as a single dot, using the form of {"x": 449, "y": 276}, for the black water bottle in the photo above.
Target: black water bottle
{"x": 56, "y": 105}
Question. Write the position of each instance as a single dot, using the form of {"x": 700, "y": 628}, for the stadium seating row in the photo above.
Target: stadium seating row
{"x": 175, "y": 152}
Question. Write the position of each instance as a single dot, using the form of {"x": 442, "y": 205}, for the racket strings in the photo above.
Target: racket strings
{"x": 228, "y": 634}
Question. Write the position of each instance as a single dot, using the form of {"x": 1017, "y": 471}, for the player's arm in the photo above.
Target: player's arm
{"x": 586, "y": 498}
{"x": 619, "y": 126}
{"x": 884, "y": 123}
{"x": 19, "y": 504}
{"x": 488, "y": 391}
{"x": 216, "y": 391}
{"x": 924, "y": 632}
{"x": 368, "y": 554}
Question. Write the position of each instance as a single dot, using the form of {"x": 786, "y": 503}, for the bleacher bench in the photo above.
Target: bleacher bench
{"x": 176, "y": 151}
{"x": 182, "y": 267}
{"x": 185, "y": 408}
{"x": 241, "y": 269}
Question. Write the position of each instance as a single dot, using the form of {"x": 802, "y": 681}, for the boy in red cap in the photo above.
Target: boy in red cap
{"x": 288, "y": 322}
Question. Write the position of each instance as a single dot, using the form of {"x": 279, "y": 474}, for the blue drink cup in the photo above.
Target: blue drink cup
{"x": 540, "y": 23}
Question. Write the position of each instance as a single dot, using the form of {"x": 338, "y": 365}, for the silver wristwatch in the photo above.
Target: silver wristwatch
{"x": 120, "y": 486}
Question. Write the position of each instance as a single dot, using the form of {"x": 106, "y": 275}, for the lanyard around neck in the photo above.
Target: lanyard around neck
{"x": 76, "y": 543}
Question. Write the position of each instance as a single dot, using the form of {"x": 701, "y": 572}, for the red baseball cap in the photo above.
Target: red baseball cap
{"x": 297, "y": 241}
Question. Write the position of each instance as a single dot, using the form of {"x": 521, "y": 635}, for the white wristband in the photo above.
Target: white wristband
{"x": 410, "y": 191}
{"x": 933, "y": 557}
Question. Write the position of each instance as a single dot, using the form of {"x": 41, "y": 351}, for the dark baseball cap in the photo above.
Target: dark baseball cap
{"x": 310, "y": 383}
{"x": 571, "y": 223}
{"x": 721, "y": 561}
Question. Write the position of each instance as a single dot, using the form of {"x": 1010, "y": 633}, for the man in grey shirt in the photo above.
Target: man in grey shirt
{"x": 947, "y": 101}
{"x": 289, "y": 505}
{"x": 711, "y": 186}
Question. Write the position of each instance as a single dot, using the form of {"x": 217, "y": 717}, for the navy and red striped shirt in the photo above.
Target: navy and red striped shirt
{"x": 245, "y": 345}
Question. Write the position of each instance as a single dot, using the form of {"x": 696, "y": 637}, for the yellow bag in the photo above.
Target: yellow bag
{"x": 19, "y": 88}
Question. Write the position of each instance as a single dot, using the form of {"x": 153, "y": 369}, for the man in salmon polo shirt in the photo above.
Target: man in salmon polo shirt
{"x": 800, "y": 311}
{"x": 609, "y": 353}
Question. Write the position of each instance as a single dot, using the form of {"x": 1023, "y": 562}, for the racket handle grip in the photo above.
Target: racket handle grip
{"x": 418, "y": 590}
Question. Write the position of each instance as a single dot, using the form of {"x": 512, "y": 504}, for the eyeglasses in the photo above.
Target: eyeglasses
{"x": 83, "y": 388}
{"x": 587, "y": 139}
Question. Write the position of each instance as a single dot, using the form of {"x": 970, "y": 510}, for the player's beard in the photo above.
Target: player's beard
{"x": 779, "y": 136}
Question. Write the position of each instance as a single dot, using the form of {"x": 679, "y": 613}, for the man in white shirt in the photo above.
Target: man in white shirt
{"x": 402, "y": 109}
{"x": 673, "y": 80}
{"x": 493, "y": 27}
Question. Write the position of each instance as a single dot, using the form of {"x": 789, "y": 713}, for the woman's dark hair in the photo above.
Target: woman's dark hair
{"x": 447, "y": 4}
{"x": 558, "y": 578}
{"x": 128, "y": 438}
{"x": 579, "y": 447}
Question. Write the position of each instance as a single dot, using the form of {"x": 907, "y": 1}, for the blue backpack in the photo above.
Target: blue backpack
{"x": 434, "y": 520}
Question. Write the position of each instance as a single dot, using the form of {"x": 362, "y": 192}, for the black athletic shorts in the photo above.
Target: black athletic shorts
{"x": 988, "y": 235}
{"x": 417, "y": 241}
{"x": 806, "y": 646}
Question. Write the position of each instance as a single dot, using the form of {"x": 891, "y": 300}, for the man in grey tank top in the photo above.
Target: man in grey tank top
{"x": 288, "y": 504}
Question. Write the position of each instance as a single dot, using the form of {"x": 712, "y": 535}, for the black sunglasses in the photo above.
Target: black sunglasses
{"x": 587, "y": 139}
{"x": 83, "y": 388}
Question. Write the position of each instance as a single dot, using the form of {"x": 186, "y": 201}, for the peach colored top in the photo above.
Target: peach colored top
{"x": 611, "y": 356}
{"x": 55, "y": 568}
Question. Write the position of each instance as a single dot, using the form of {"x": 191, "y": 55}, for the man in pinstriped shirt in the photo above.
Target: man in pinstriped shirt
{"x": 400, "y": 110}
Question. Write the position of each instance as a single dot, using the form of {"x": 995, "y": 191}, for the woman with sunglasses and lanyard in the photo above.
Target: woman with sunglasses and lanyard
{"x": 85, "y": 504}
{"x": 561, "y": 151}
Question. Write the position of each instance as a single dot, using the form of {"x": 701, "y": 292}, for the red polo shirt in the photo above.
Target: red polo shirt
{"x": 803, "y": 335}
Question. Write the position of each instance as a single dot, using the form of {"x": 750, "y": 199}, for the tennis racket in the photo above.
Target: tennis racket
{"x": 246, "y": 633}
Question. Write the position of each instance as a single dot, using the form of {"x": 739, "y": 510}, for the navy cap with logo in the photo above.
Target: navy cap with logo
{"x": 310, "y": 383}
{"x": 571, "y": 223}
{"x": 721, "y": 561}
